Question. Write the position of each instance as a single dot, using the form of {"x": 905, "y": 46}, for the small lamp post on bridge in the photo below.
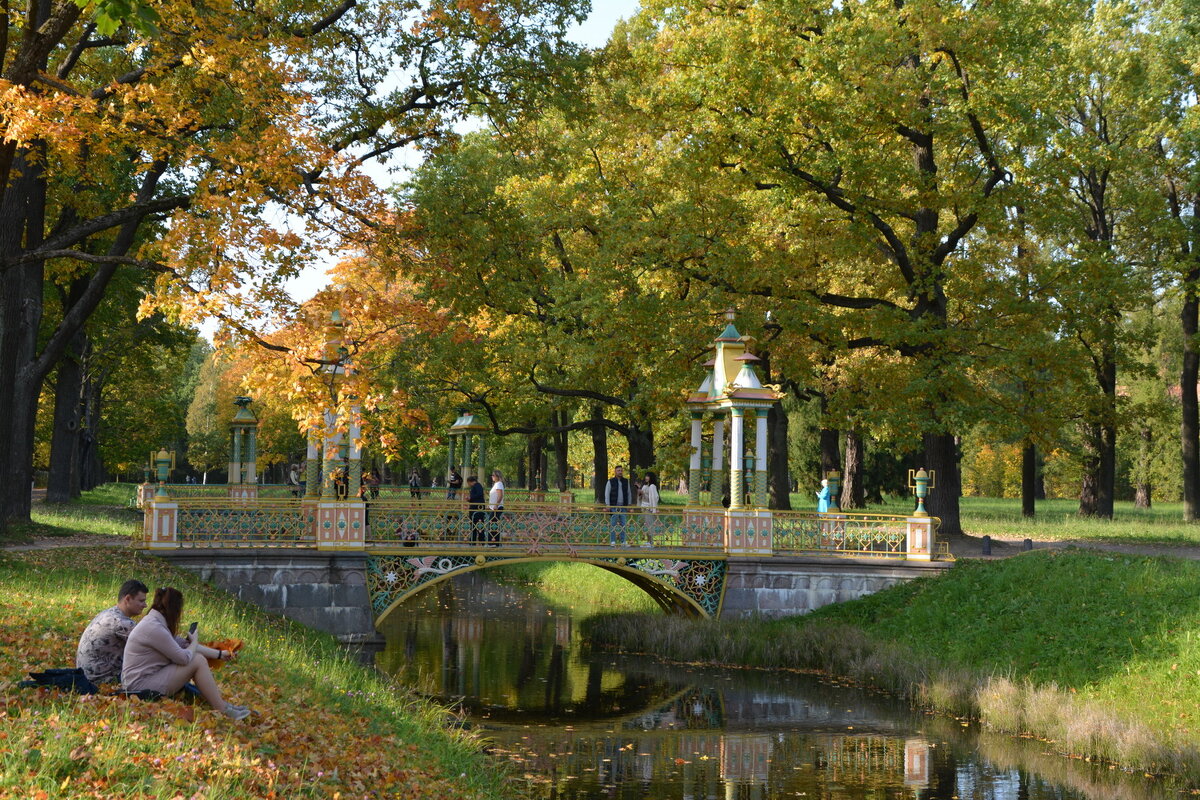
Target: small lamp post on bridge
{"x": 159, "y": 524}
{"x": 920, "y": 524}
{"x": 243, "y": 456}
{"x": 341, "y": 517}
{"x": 469, "y": 429}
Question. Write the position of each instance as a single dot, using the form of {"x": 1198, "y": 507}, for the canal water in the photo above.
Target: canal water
{"x": 584, "y": 725}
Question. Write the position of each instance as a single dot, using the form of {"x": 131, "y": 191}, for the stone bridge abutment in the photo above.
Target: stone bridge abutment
{"x": 330, "y": 591}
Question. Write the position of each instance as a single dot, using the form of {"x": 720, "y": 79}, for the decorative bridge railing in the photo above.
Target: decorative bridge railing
{"x": 283, "y": 491}
{"x": 533, "y": 529}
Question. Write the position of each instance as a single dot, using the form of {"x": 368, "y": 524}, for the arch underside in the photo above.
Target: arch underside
{"x": 689, "y": 587}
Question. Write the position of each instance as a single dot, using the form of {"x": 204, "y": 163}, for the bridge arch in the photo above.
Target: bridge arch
{"x": 686, "y": 587}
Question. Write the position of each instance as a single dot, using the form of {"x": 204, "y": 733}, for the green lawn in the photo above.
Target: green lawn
{"x": 105, "y": 510}
{"x": 326, "y": 726}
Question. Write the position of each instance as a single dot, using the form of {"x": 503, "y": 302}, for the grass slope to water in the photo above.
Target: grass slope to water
{"x": 1099, "y": 653}
{"x": 327, "y": 726}
{"x": 583, "y": 588}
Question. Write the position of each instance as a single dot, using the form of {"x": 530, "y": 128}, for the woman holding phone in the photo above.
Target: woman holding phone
{"x": 158, "y": 660}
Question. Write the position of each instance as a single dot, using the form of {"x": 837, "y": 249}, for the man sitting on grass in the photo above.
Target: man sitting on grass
{"x": 102, "y": 647}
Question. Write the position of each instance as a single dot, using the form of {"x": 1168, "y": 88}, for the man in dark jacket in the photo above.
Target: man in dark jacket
{"x": 618, "y": 497}
{"x": 475, "y": 503}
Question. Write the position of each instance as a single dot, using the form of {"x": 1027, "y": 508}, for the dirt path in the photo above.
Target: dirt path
{"x": 972, "y": 547}
{"x": 78, "y": 540}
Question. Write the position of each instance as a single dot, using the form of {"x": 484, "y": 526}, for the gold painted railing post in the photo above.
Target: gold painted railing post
{"x": 341, "y": 525}
{"x": 748, "y": 532}
{"x": 694, "y": 464}
{"x": 160, "y": 524}
{"x": 920, "y": 545}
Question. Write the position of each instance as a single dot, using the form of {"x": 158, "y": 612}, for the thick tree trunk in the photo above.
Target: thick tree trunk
{"x": 561, "y": 461}
{"x": 1143, "y": 490}
{"x": 778, "y": 474}
{"x": 641, "y": 446}
{"x": 853, "y": 492}
{"x": 831, "y": 454}
{"x": 63, "y": 484}
{"x": 599, "y": 453}
{"x": 1099, "y": 471}
{"x": 28, "y": 383}
{"x": 1189, "y": 426}
{"x": 941, "y": 456}
{"x": 91, "y": 466}
{"x": 1028, "y": 480}
{"x": 534, "y": 452}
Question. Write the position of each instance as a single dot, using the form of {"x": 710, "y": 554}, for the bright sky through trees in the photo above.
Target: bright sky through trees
{"x": 593, "y": 32}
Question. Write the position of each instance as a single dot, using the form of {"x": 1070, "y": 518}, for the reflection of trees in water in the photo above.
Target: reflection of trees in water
{"x": 641, "y": 728}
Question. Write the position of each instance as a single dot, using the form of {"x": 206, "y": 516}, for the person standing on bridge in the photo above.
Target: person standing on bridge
{"x": 475, "y": 502}
{"x": 618, "y": 497}
{"x": 496, "y": 507}
{"x": 823, "y": 497}
{"x": 648, "y": 500}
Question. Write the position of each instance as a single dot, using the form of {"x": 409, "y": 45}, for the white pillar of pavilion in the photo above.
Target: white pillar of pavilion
{"x": 718, "y": 459}
{"x": 695, "y": 465}
{"x": 737, "y": 443}
{"x": 731, "y": 386}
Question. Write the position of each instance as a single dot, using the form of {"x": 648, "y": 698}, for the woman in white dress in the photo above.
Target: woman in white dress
{"x": 496, "y": 507}
{"x": 648, "y": 500}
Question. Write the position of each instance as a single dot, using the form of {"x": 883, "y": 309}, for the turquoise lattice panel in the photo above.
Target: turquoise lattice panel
{"x": 797, "y": 534}
{"x": 394, "y": 576}
{"x": 242, "y": 525}
{"x": 702, "y": 580}
{"x": 390, "y": 577}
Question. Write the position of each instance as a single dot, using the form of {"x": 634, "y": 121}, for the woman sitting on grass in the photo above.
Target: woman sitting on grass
{"x": 155, "y": 661}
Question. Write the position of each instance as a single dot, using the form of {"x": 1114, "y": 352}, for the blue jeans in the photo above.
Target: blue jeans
{"x": 617, "y": 520}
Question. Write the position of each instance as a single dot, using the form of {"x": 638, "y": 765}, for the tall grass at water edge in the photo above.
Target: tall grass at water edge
{"x": 325, "y": 725}
{"x": 1098, "y": 653}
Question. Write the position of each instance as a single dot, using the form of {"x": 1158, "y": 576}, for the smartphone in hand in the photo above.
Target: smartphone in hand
{"x": 192, "y": 630}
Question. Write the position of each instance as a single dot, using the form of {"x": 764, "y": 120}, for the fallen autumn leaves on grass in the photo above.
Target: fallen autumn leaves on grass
{"x": 325, "y": 727}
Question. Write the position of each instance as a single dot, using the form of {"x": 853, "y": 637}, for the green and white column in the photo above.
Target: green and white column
{"x": 760, "y": 458}
{"x": 312, "y": 470}
{"x": 737, "y": 444}
{"x": 251, "y": 467}
{"x": 450, "y": 456}
{"x": 329, "y": 459}
{"x": 483, "y": 461}
{"x": 235, "y": 456}
{"x": 354, "y": 472}
{"x": 718, "y": 459}
{"x": 467, "y": 463}
{"x": 694, "y": 464}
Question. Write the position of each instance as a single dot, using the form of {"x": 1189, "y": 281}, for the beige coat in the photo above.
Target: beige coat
{"x": 151, "y": 650}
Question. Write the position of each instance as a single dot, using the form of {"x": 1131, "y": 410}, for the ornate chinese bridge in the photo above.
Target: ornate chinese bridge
{"x": 318, "y": 561}
{"x": 339, "y": 557}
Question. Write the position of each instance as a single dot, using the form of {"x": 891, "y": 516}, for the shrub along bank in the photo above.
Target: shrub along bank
{"x": 1098, "y": 653}
{"x": 326, "y": 727}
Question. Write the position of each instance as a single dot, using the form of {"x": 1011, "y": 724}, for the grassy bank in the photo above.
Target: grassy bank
{"x": 583, "y": 588}
{"x": 102, "y": 511}
{"x": 1097, "y": 653}
{"x": 327, "y": 726}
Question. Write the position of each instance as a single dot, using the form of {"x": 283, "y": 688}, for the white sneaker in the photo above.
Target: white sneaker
{"x": 236, "y": 712}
